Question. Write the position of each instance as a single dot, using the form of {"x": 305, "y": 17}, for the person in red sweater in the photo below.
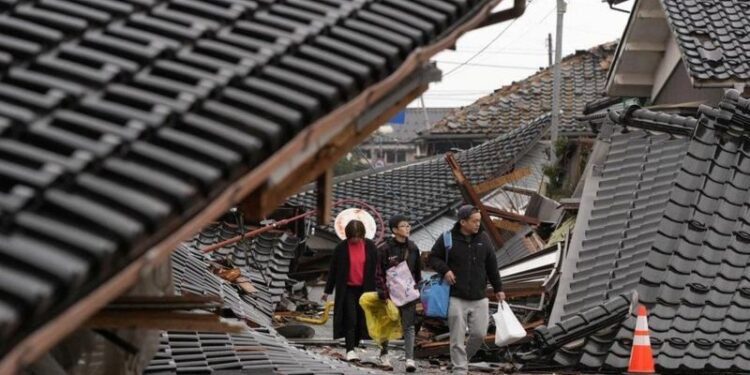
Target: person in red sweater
{"x": 352, "y": 272}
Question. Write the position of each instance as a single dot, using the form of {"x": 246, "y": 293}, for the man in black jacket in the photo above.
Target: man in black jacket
{"x": 471, "y": 263}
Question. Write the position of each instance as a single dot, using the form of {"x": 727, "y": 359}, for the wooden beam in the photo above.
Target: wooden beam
{"x": 471, "y": 197}
{"x": 184, "y": 302}
{"x": 493, "y": 184}
{"x": 269, "y": 197}
{"x": 324, "y": 187}
{"x": 512, "y": 216}
{"x": 43, "y": 338}
{"x": 507, "y": 225}
{"x": 163, "y": 321}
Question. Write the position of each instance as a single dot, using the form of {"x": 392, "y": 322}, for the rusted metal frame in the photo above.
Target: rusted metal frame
{"x": 324, "y": 190}
{"x": 470, "y": 196}
{"x": 47, "y": 336}
{"x": 513, "y": 216}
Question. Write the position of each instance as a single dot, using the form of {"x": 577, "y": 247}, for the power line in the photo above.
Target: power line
{"x": 481, "y": 49}
{"x": 489, "y": 65}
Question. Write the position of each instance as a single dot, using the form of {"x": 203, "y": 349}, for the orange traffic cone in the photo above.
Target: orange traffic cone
{"x": 641, "y": 357}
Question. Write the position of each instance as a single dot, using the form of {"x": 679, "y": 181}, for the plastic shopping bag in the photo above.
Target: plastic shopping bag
{"x": 400, "y": 283}
{"x": 508, "y": 328}
{"x": 382, "y": 317}
{"x": 436, "y": 295}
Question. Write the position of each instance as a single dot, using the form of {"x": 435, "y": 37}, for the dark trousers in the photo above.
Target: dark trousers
{"x": 408, "y": 314}
{"x": 354, "y": 317}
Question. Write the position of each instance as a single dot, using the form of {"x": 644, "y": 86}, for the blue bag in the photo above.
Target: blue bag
{"x": 436, "y": 293}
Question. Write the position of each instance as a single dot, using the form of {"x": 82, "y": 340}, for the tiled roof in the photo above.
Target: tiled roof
{"x": 426, "y": 189}
{"x": 120, "y": 120}
{"x": 692, "y": 271}
{"x": 584, "y": 77}
{"x": 257, "y": 350}
{"x": 634, "y": 186}
{"x": 713, "y": 38}
{"x": 414, "y": 122}
{"x": 271, "y": 254}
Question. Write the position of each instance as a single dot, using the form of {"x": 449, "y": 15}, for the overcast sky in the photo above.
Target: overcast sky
{"x": 519, "y": 48}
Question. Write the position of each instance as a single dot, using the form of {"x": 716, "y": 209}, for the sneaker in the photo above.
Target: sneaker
{"x": 385, "y": 361}
{"x": 352, "y": 356}
{"x": 411, "y": 366}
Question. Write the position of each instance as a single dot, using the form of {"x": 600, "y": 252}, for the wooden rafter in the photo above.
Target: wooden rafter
{"x": 495, "y": 183}
{"x": 471, "y": 196}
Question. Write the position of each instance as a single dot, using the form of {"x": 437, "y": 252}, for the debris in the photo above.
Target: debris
{"x": 296, "y": 331}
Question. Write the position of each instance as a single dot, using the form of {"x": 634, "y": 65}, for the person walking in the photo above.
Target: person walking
{"x": 395, "y": 250}
{"x": 471, "y": 263}
{"x": 352, "y": 272}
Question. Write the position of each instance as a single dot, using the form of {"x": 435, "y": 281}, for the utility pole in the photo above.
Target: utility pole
{"x": 424, "y": 111}
{"x": 561, "y": 7}
{"x": 549, "y": 49}
{"x": 426, "y": 120}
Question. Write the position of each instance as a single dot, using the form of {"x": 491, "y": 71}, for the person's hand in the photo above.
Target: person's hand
{"x": 382, "y": 295}
{"x": 450, "y": 278}
{"x": 500, "y": 296}
{"x": 324, "y": 297}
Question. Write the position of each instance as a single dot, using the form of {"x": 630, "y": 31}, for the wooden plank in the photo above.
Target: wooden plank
{"x": 507, "y": 225}
{"x": 513, "y": 216}
{"x": 471, "y": 197}
{"x": 324, "y": 187}
{"x": 163, "y": 320}
{"x": 40, "y": 340}
{"x": 493, "y": 184}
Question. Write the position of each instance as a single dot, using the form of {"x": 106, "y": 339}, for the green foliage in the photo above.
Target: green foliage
{"x": 348, "y": 165}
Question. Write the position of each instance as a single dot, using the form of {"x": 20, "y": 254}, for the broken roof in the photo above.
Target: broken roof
{"x": 684, "y": 250}
{"x": 126, "y": 126}
{"x": 713, "y": 39}
{"x": 425, "y": 190}
{"x": 256, "y": 350}
{"x": 584, "y": 76}
{"x": 705, "y": 42}
{"x": 264, "y": 260}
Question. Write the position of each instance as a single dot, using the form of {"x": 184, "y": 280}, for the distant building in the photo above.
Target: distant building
{"x": 395, "y": 142}
{"x": 583, "y": 78}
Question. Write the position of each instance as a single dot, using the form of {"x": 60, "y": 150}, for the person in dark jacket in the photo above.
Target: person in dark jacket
{"x": 394, "y": 251}
{"x": 352, "y": 272}
{"x": 471, "y": 263}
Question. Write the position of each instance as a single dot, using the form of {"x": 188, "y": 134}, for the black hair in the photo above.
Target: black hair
{"x": 355, "y": 229}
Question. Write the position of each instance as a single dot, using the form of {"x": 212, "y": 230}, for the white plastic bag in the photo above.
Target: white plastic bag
{"x": 508, "y": 328}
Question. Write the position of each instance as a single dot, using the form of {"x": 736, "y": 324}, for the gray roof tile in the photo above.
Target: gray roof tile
{"x": 120, "y": 120}
{"x": 425, "y": 190}
{"x": 694, "y": 280}
{"x": 712, "y": 37}
{"x": 584, "y": 78}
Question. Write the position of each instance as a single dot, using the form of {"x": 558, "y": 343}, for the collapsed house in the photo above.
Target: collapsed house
{"x": 425, "y": 190}
{"x": 664, "y": 215}
{"x": 265, "y": 261}
{"x": 583, "y": 79}
{"x": 126, "y": 127}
